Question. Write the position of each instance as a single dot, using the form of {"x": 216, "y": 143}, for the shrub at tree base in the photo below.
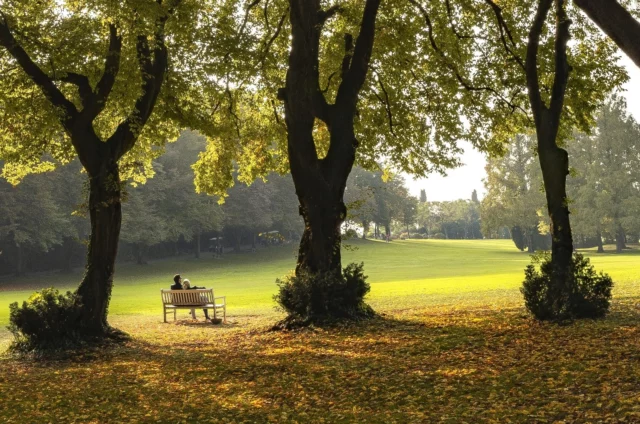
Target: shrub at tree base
{"x": 48, "y": 320}
{"x": 324, "y": 297}
{"x": 585, "y": 295}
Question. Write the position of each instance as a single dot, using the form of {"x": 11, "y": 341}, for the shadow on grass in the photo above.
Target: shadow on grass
{"x": 425, "y": 367}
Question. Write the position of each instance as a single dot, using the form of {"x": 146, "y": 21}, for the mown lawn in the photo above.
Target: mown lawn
{"x": 454, "y": 345}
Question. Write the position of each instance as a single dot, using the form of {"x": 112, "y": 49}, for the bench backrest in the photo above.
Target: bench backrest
{"x": 187, "y": 297}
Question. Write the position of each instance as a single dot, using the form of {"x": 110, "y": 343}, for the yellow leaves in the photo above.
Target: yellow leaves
{"x": 416, "y": 366}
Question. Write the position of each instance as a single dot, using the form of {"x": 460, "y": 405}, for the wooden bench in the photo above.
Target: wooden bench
{"x": 172, "y": 300}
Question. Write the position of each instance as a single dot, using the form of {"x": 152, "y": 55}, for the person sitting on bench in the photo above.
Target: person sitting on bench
{"x": 179, "y": 284}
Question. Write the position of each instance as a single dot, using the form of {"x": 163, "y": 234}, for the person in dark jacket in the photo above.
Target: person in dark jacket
{"x": 177, "y": 282}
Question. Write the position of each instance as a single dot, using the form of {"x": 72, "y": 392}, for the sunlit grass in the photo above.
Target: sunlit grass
{"x": 402, "y": 274}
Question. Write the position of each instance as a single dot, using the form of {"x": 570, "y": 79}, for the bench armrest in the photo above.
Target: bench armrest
{"x": 221, "y": 297}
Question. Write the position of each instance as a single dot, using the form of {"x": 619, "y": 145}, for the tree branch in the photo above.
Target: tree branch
{"x": 504, "y": 29}
{"x": 348, "y": 55}
{"x": 463, "y": 82}
{"x": 153, "y": 70}
{"x": 616, "y": 22}
{"x": 357, "y": 73}
{"x": 531, "y": 63}
{"x": 82, "y": 82}
{"x": 325, "y": 15}
{"x": 111, "y": 68}
{"x": 385, "y": 101}
{"x": 562, "y": 68}
{"x": 42, "y": 80}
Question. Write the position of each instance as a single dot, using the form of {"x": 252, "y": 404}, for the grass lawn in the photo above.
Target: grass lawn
{"x": 454, "y": 345}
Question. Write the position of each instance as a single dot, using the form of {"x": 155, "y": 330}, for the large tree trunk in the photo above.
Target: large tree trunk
{"x": 554, "y": 161}
{"x": 106, "y": 218}
{"x": 320, "y": 245}
{"x": 320, "y": 182}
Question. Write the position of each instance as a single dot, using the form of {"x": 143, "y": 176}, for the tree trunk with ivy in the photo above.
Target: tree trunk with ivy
{"x": 100, "y": 157}
{"x": 105, "y": 212}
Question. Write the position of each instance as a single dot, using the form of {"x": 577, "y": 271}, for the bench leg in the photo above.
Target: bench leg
{"x": 193, "y": 313}
{"x": 164, "y": 315}
{"x": 215, "y": 316}
{"x": 224, "y": 314}
{"x": 174, "y": 314}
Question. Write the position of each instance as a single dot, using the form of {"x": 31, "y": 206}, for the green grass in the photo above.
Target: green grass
{"x": 403, "y": 274}
{"x": 454, "y": 345}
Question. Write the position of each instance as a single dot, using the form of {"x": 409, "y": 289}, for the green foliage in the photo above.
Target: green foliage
{"x": 47, "y": 320}
{"x": 605, "y": 188}
{"x": 586, "y": 294}
{"x": 317, "y": 298}
{"x": 69, "y": 37}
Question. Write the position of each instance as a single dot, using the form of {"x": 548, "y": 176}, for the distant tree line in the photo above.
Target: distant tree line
{"x": 44, "y": 225}
{"x": 382, "y": 205}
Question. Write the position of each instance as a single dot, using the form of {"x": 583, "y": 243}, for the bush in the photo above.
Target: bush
{"x": 438, "y": 236}
{"x": 586, "y": 294}
{"x": 317, "y": 298}
{"x": 46, "y": 320}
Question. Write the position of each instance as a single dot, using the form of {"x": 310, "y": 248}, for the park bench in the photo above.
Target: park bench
{"x": 172, "y": 300}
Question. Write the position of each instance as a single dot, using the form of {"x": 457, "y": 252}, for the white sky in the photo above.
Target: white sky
{"x": 460, "y": 182}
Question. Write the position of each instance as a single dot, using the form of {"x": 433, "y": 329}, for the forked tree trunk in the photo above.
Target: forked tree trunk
{"x": 106, "y": 218}
{"x": 320, "y": 182}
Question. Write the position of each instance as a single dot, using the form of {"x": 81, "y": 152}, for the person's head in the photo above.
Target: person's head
{"x": 176, "y": 278}
{"x": 186, "y": 284}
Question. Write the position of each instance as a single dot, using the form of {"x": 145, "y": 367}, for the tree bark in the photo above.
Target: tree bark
{"x": 320, "y": 182}
{"x": 621, "y": 242}
{"x": 105, "y": 212}
{"x": 599, "y": 241}
{"x": 554, "y": 160}
{"x": 615, "y": 21}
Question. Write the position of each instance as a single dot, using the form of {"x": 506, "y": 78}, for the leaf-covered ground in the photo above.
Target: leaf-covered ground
{"x": 454, "y": 346}
{"x": 414, "y": 366}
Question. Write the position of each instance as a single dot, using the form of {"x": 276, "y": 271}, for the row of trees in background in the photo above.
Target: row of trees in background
{"x": 44, "y": 223}
{"x": 45, "y": 226}
{"x": 603, "y": 192}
